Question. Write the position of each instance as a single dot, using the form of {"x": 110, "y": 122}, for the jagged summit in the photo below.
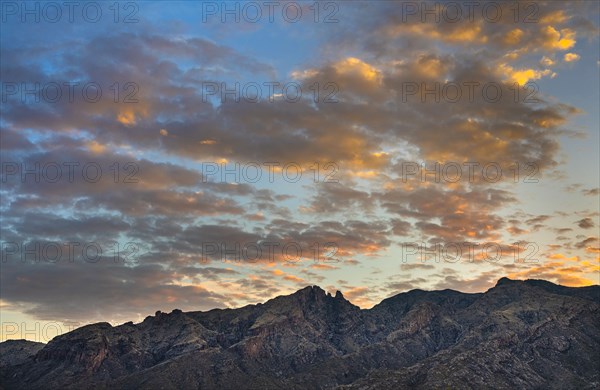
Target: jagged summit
{"x": 317, "y": 291}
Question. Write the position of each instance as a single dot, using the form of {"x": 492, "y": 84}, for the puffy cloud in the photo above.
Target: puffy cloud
{"x": 522, "y": 76}
{"x": 558, "y": 40}
{"x": 545, "y": 61}
{"x": 585, "y": 223}
{"x": 571, "y": 57}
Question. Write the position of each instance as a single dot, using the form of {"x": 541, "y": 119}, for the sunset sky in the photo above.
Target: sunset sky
{"x": 529, "y": 159}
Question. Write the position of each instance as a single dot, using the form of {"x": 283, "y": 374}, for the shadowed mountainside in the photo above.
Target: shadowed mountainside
{"x": 518, "y": 334}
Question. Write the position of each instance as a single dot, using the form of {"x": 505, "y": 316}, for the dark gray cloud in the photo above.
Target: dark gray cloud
{"x": 585, "y": 223}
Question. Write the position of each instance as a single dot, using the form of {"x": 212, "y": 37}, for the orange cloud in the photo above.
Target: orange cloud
{"x": 96, "y": 147}
{"x": 353, "y": 65}
{"x": 126, "y": 118}
{"x": 572, "y": 57}
{"x": 555, "y": 40}
{"x": 513, "y": 37}
{"x": 522, "y": 76}
{"x": 323, "y": 266}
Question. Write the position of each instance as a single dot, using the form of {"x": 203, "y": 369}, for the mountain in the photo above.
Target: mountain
{"x": 528, "y": 334}
{"x": 14, "y": 352}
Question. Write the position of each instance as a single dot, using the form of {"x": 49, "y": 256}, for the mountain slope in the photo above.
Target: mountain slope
{"x": 524, "y": 334}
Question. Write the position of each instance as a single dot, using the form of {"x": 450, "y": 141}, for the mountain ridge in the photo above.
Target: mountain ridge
{"x": 311, "y": 339}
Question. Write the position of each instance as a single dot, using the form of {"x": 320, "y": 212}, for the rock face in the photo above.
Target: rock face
{"x": 519, "y": 334}
{"x": 13, "y": 352}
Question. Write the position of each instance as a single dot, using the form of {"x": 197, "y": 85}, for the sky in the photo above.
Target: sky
{"x": 196, "y": 155}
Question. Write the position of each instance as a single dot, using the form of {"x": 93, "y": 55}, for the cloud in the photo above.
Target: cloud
{"x": 523, "y": 76}
{"x": 558, "y": 40}
{"x": 545, "y": 61}
{"x": 393, "y": 288}
{"x": 368, "y": 131}
{"x": 104, "y": 292}
{"x": 464, "y": 215}
{"x": 571, "y": 57}
{"x": 585, "y": 223}
{"x": 478, "y": 283}
{"x": 359, "y": 296}
{"x": 586, "y": 243}
{"x": 410, "y": 267}
{"x": 591, "y": 191}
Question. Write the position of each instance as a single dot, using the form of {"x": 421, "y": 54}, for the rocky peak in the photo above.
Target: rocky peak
{"x": 308, "y": 296}
{"x": 505, "y": 281}
{"x": 314, "y": 291}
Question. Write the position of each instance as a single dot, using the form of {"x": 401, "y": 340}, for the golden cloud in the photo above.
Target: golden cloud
{"x": 572, "y": 57}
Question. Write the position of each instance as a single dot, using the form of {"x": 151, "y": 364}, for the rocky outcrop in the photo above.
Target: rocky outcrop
{"x": 14, "y": 352}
